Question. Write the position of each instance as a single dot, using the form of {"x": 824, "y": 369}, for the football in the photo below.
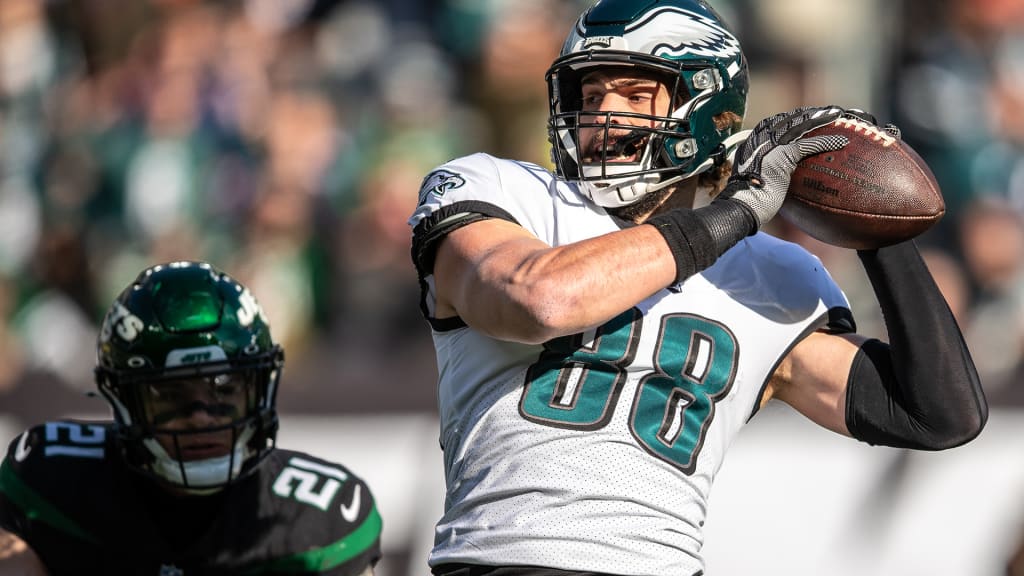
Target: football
{"x": 874, "y": 192}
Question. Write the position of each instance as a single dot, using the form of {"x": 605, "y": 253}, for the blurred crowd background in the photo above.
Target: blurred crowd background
{"x": 284, "y": 141}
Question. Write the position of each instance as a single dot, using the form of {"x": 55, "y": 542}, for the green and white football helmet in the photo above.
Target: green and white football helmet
{"x": 186, "y": 339}
{"x": 683, "y": 43}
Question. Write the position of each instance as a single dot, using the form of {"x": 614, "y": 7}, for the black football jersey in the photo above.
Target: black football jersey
{"x": 65, "y": 490}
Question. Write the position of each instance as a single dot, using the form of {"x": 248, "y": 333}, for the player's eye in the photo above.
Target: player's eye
{"x": 226, "y": 385}
{"x": 165, "y": 392}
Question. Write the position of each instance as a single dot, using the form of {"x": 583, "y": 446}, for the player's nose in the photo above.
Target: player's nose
{"x": 613, "y": 102}
{"x": 200, "y": 417}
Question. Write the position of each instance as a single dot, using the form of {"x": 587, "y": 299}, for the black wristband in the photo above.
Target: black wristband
{"x": 698, "y": 237}
{"x": 729, "y": 221}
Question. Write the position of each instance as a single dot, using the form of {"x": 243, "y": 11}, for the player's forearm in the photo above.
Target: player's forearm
{"x": 531, "y": 295}
{"x": 697, "y": 238}
{"x": 16, "y": 558}
{"x": 921, "y": 390}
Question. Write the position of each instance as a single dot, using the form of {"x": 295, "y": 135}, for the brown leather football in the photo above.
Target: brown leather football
{"x": 874, "y": 192}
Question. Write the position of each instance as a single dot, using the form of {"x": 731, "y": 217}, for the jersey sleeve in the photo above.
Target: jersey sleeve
{"x": 784, "y": 282}
{"x": 469, "y": 189}
{"x": 804, "y": 276}
{"x": 326, "y": 519}
{"x": 474, "y": 188}
{"x": 13, "y": 508}
{"x": 47, "y": 490}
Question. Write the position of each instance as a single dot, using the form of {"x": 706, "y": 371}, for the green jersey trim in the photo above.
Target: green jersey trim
{"x": 339, "y": 552}
{"x": 35, "y": 507}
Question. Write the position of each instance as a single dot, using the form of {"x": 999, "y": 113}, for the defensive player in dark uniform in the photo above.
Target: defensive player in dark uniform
{"x": 187, "y": 479}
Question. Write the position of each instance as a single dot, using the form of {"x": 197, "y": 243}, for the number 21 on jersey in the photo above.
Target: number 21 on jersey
{"x": 576, "y": 384}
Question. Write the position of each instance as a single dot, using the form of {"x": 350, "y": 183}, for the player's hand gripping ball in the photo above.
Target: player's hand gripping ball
{"x": 874, "y": 192}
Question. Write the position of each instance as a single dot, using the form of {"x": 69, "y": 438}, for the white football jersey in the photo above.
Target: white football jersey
{"x": 597, "y": 451}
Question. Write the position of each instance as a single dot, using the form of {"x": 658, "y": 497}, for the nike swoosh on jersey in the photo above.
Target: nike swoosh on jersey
{"x": 351, "y": 512}
{"x": 22, "y": 449}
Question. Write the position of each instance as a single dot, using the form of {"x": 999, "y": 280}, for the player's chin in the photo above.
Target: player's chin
{"x": 192, "y": 447}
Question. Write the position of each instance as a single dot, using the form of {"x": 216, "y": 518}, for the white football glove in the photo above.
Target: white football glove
{"x": 765, "y": 161}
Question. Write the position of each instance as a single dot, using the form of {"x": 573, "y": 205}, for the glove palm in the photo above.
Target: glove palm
{"x": 765, "y": 162}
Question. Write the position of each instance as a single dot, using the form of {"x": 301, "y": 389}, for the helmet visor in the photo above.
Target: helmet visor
{"x": 197, "y": 417}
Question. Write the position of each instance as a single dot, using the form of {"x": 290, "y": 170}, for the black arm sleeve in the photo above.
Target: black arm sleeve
{"x": 921, "y": 390}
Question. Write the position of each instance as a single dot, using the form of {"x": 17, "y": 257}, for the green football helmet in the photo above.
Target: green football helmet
{"x": 186, "y": 360}
{"x": 684, "y": 44}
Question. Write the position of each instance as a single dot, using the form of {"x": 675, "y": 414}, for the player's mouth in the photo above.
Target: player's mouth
{"x": 202, "y": 450}
{"x": 622, "y": 149}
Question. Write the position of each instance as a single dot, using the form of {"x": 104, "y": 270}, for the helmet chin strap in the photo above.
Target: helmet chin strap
{"x": 620, "y": 191}
{"x": 203, "y": 476}
{"x": 625, "y": 191}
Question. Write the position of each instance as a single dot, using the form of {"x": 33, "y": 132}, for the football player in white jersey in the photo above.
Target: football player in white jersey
{"x": 604, "y": 332}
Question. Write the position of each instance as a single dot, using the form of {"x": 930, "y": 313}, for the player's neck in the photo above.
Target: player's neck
{"x": 682, "y": 195}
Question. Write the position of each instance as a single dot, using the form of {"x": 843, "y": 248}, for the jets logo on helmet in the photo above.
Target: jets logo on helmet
{"x": 248, "y": 308}
{"x": 198, "y": 355}
{"x": 120, "y": 319}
